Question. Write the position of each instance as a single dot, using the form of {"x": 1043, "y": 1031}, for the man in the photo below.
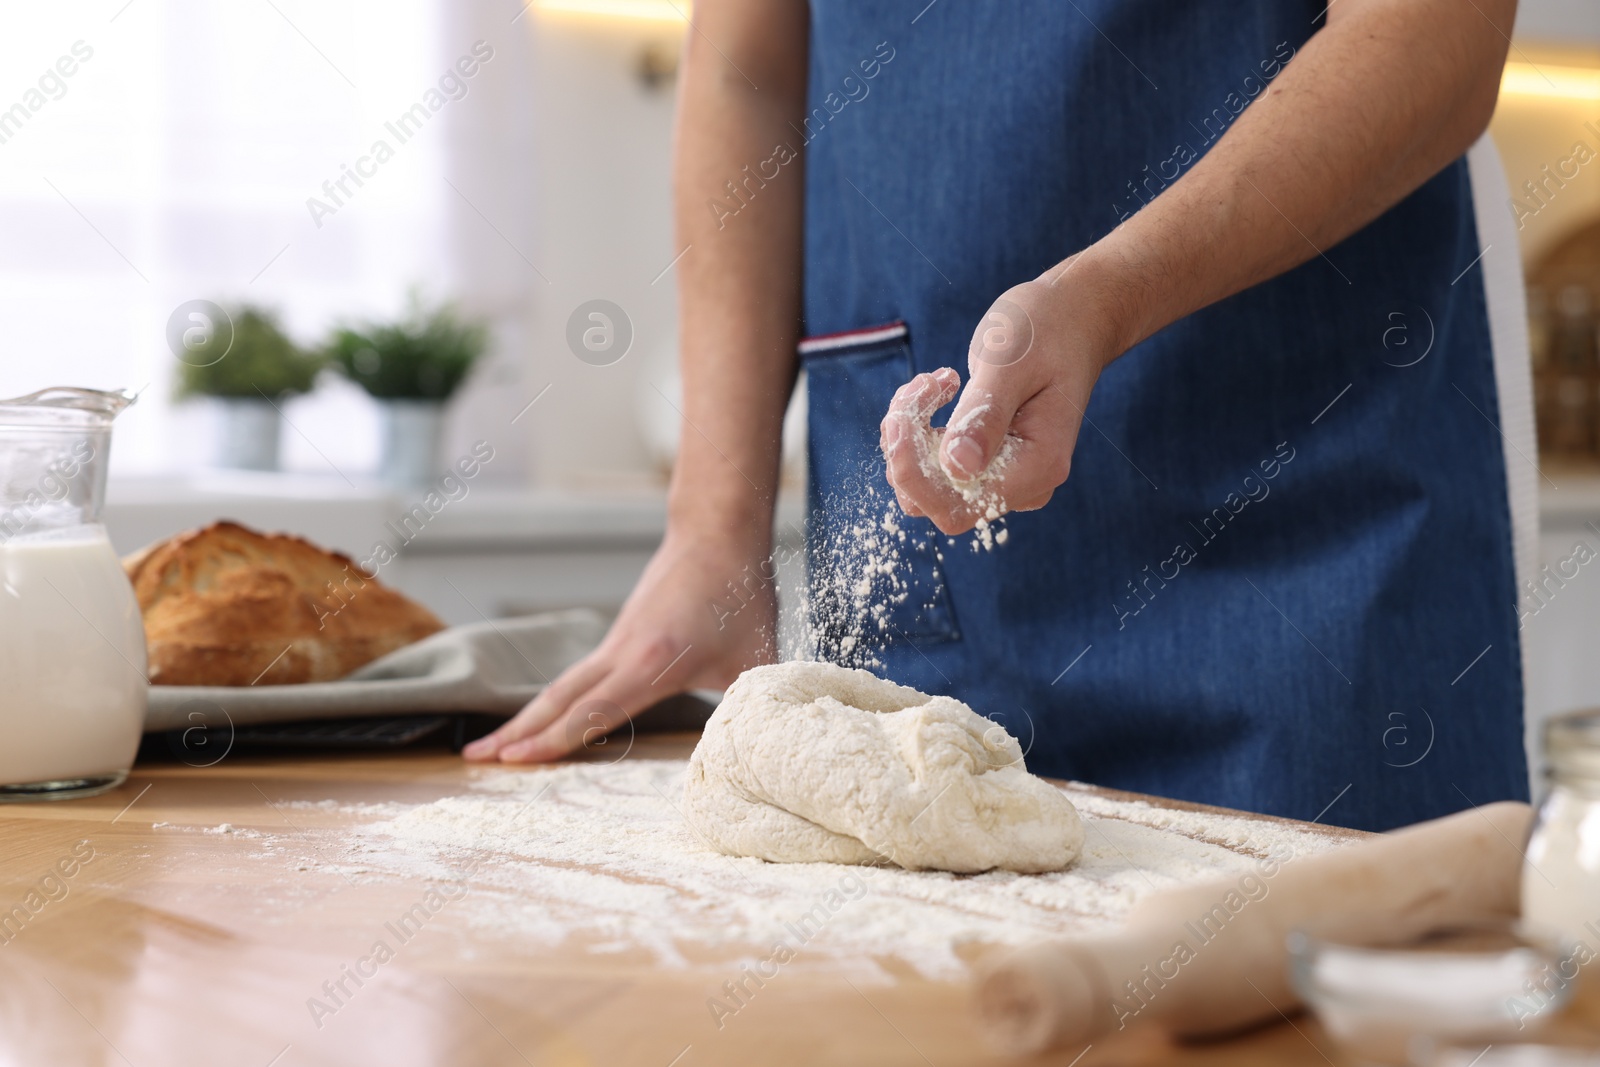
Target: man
{"x": 1234, "y": 284}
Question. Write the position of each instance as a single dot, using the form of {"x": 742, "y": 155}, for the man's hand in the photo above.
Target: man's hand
{"x": 1372, "y": 106}
{"x": 1033, "y": 360}
{"x": 670, "y": 637}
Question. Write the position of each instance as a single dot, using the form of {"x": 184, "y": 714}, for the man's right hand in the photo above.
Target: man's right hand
{"x": 682, "y": 628}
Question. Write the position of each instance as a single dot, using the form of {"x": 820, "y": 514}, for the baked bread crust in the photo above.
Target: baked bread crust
{"x": 227, "y": 605}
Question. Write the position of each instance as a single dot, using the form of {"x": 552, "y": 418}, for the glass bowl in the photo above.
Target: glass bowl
{"x": 1392, "y": 1000}
{"x": 1514, "y": 1055}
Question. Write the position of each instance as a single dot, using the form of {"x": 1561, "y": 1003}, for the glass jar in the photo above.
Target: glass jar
{"x": 72, "y": 650}
{"x": 1561, "y": 878}
{"x": 1388, "y": 996}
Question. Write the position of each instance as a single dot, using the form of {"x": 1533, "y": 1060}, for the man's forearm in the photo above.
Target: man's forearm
{"x": 740, "y": 276}
{"x": 1376, "y": 103}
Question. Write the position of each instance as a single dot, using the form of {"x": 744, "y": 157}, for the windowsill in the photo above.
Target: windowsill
{"x": 350, "y": 516}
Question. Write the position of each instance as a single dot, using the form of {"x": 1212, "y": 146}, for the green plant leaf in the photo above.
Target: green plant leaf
{"x": 424, "y": 356}
{"x": 261, "y": 363}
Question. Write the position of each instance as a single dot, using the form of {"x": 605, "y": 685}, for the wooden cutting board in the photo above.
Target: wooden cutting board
{"x": 205, "y": 947}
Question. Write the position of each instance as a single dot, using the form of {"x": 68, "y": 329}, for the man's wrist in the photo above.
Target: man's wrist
{"x": 730, "y": 520}
{"x": 1106, "y": 297}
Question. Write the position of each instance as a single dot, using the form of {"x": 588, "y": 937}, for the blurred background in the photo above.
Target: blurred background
{"x": 165, "y": 157}
{"x": 177, "y": 163}
{"x": 159, "y": 153}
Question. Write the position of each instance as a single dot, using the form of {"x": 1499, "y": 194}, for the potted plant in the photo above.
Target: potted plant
{"x": 260, "y": 369}
{"x": 411, "y": 367}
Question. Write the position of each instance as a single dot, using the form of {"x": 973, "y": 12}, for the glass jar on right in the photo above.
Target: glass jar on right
{"x": 1561, "y": 878}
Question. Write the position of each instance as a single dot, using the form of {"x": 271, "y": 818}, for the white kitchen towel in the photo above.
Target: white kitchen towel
{"x": 494, "y": 666}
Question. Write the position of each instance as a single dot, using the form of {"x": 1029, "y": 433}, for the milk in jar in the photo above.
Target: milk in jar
{"x": 72, "y": 657}
{"x": 72, "y": 651}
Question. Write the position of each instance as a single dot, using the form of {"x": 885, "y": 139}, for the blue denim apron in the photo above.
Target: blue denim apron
{"x": 1280, "y": 575}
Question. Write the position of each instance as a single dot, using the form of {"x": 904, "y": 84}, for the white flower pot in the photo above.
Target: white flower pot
{"x": 247, "y": 434}
{"x": 411, "y": 434}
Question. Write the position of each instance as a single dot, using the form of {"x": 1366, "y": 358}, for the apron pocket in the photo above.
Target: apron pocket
{"x": 876, "y": 578}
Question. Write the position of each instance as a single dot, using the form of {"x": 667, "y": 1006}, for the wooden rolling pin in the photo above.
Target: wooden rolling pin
{"x": 1213, "y": 958}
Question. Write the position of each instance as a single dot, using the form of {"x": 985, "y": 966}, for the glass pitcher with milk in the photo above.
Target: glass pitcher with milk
{"x": 72, "y": 652}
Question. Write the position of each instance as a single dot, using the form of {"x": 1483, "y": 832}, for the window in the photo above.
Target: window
{"x": 157, "y": 151}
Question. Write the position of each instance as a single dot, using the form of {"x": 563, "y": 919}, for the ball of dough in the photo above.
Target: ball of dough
{"x": 809, "y": 762}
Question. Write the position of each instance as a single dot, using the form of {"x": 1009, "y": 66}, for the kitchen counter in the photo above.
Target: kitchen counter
{"x": 201, "y": 941}
{"x": 490, "y": 553}
{"x": 1569, "y": 495}
{"x": 348, "y": 516}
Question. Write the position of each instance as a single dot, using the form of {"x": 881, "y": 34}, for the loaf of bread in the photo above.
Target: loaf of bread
{"x": 226, "y": 605}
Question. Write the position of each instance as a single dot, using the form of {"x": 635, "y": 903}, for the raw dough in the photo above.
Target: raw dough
{"x": 809, "y": 762}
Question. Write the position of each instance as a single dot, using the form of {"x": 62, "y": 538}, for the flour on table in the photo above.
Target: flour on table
{"x": 807, "y": 762}
{"x": 600, "y": 856}
{"x": 225, "y": 828}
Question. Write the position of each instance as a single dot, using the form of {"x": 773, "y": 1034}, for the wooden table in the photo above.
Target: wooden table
{"x": 176, "y": 948}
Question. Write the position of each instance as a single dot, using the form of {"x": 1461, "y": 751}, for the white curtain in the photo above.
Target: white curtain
{"x": 176, "y": 160}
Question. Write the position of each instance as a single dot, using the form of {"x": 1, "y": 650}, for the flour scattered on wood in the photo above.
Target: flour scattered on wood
{"x": 221, "y": 828}
{"x": 600, "y": 856}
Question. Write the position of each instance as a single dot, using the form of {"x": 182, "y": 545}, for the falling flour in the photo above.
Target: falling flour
{"x": 859, "y": 573}
{"x": 599, "y": 856}
{"x": 857, "y": 578}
